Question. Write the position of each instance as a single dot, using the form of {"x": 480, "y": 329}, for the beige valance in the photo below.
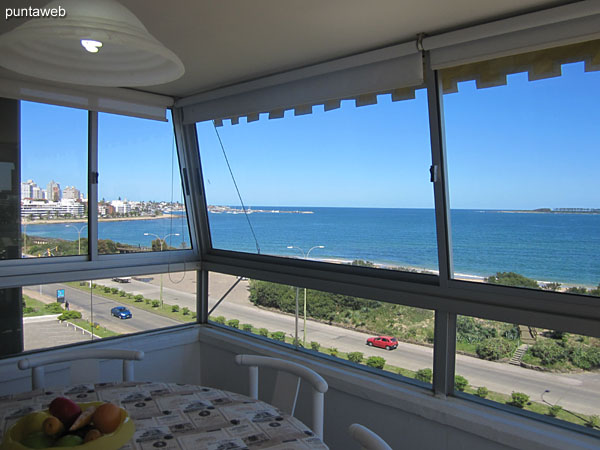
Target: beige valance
{"x": 538, "y": 64}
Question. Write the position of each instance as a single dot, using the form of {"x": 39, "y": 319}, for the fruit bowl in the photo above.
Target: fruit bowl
{"x": 113, "y": 441}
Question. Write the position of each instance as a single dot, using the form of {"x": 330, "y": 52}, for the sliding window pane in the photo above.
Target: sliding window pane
{"x": 342, "y": 186}
{"x": 81, "y": 311}
{"x": 548, "y": 372}
{"x": 140, "y": 199}
{"x": 54, "y": 204}
{"x": 394, "y": 338}
{"x": 524, "y": 188}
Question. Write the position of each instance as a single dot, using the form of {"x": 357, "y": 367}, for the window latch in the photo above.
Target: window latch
{"x": 433, "y": 171}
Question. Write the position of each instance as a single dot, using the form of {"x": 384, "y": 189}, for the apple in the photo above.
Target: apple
{"x": 65, "y": 410}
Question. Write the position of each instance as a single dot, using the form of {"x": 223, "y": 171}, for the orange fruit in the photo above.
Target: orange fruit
{"x": 107, "y": 417}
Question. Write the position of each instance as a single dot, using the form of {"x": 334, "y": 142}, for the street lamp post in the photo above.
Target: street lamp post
{"x": 161, "y": 240}
{"x": 304, "y": 256}
{"x": 79, "y": 230}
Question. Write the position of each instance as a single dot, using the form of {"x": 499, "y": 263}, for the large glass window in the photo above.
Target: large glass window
{"x": 393, "y": 338}
{"x": 140, "y": 198}
{"x": 548, "y": 372}
{"x": 343, "y": 186}
{"x": 65, "y": 313}
{"x": 524, "y": 190}
{"x": 54, "y": 201}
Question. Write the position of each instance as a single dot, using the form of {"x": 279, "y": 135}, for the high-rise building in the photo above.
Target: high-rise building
{"x": 71, "y": 192}
{"x": 38, "y": 194}
{"x": 53, "y": 191}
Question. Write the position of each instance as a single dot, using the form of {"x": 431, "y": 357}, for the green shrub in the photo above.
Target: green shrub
{"x": 185, "y": 311}
{"x": 94, "y": 285}
{"x": 194, "y": 315}
{"x": 376, "y": 362}
{"x": 122, "y": 293}
{"x": 129, "y": 295}
{"x": 147, "y": 300}
{"x": 106, "y": 289}
{"x": 519, "y": 399}
{"x": 494, "y": 348}
{"x": 263, "y": 332}
{"x": 247, "y": 327}
{"x": 155, "y": 303}
{"x": 114, "y": 291}
{"x": 315, "y": 346}
{"x": 138, "y": 298}
{"x": 278, "y": 336}
{"x": 424, "y": 375}
{"x": 233, "y": 323}
{"x": 554, "y": 410}
{"x": 460, "y": 383}
{"x": 220, "y": 320}
{"x": 355, "y": 357}
{"x": 70, "y": 315}
{"x": 584, "y": 357}
{"x": 549, "y": 352}
{"x": 333, "y": 351}
{"x": 28, "y": 310}
{"x": 512, "y": 279}
{"x": 593, "y": 422}
{"x": 482, "y": 392}
{"x": 53, "y": 308}
{"x": 175, "y": 308}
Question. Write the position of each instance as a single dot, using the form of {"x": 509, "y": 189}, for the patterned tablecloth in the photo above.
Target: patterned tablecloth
{"x": 179, "y": 416}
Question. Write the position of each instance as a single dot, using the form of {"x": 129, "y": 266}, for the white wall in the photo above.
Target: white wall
{"x": 170, "y": 355}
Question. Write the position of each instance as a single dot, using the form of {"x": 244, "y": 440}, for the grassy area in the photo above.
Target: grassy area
{"x": 34, "y": 307}
{"x": 97, "y": 330}
{"x": 150, "y": 305}
{"x": 536, "y": 407}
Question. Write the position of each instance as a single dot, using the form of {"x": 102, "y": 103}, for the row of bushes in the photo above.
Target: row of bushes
{"x": 139, "y": 298}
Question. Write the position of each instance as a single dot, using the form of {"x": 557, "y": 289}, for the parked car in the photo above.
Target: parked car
{"x": 122, "y": 279}
{"x": 121, "y": 312}
{"x": 387, "y": 342}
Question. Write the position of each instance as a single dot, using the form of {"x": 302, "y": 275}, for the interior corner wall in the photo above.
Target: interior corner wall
{"x": 11, "y": 324}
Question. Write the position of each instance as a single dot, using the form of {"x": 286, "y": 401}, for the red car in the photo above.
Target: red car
{"x": 387, "y": 342}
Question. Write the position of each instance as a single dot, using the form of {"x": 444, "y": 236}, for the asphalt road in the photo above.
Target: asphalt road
{"x": 575, "y": 391}
{"x": 97, "y": 309}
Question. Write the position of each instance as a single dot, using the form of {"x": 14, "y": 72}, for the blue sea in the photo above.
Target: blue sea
{"x": 547, "y": 247}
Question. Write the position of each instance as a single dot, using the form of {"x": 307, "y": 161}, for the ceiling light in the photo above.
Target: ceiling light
{"x": 91, "y": 46}
{"x": 67, "y": 48}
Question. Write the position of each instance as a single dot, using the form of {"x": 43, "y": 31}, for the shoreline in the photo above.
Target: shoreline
{"x": 84, "y": 220}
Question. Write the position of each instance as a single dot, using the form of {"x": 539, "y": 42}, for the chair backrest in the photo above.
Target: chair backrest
{"x": 38, "y": 363}
{"x": 366, "y": 438}
{"x": 287, "y": 386}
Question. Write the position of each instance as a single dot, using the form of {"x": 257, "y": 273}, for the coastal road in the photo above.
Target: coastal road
{"x": 80, "y": 301}
{"x": 575, "y": 391}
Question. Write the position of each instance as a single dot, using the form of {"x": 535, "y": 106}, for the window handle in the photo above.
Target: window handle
{"x": 433, "y": 171}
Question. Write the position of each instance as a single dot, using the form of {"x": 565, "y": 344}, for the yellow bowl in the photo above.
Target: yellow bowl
{"x": 113, "y": 441}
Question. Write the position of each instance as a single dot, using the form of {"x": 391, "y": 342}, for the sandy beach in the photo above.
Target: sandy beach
{"x": 100, "y": 219}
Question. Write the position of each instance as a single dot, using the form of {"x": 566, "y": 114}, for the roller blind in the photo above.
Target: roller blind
{"x": 396, "y": 70}
{"x": 537, "y": 43}
{"x": 111, "y": 100}
{"x": 539, "y": 65}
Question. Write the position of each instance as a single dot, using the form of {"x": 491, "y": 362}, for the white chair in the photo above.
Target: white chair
{"x": 366, "y": 438}
{"x": 38, "y": 363}
{"x": 287, "y": 385}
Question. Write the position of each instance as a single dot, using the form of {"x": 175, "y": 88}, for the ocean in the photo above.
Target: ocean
{"x": 563, "y": 248}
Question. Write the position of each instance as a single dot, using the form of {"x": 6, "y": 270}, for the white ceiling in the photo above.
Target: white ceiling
{"x": 222, "y": 42}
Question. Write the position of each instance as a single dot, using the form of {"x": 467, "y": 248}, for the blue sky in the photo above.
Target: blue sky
{"x": 522, "y": 146}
